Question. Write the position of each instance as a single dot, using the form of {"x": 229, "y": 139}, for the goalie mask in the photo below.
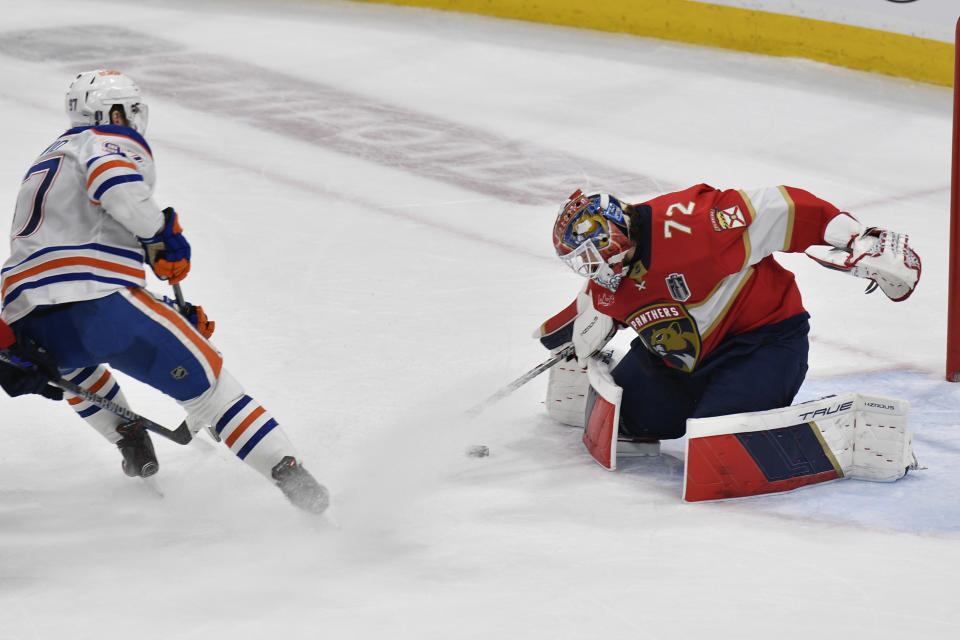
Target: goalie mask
{"x": 590, "y": 236}
{"x": 93, "y": 94}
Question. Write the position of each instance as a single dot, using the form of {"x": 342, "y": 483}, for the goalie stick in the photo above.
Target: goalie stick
{"x": 522, "y": 380}
{"x": 180, "y": 435}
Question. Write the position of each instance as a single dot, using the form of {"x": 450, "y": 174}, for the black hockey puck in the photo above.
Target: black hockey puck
{"x": 478, "y": 451}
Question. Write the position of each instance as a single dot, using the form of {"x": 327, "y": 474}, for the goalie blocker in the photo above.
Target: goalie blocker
{"x": 852, "y": 435}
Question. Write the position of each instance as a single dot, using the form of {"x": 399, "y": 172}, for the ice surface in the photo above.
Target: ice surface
{"x": 369, "y": 191}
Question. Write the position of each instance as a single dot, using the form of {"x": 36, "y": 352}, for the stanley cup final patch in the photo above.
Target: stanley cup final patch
{"x": 677, "y": 286}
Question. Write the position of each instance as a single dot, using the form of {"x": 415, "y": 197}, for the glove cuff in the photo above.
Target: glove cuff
{"x": 842, "y": 231}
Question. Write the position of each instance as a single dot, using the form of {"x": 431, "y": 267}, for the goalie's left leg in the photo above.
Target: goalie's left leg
{"x": 851, "y": 435}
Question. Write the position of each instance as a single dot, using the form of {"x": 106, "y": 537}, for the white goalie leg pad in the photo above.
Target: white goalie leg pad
{"x": 851, "y": 435}
{"x": 868, "y": 435}
{"x": 567, "y": 387}
{"x": 882, "y": 440}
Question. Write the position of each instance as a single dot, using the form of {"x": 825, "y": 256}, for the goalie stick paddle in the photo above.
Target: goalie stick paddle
{"x": 522, "y": 380}
{"x": 180, "y": 435}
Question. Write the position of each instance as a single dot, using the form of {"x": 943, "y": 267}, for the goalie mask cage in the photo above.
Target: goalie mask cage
{"x": 953, "y": 297}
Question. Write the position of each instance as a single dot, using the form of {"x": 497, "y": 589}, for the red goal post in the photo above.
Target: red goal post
{"x": 953, "y": 295}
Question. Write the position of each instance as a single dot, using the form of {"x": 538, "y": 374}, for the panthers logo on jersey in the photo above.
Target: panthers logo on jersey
{"x": 667, "y": 330}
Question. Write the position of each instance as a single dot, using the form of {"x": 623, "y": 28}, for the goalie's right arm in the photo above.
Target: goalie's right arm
{"x": 579, "y": 324}
{"x": 592, "y": 330}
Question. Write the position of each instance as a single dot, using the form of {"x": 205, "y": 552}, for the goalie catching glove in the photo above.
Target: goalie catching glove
{"x": 883, "y": 257}
{"x": 168, "y": 252}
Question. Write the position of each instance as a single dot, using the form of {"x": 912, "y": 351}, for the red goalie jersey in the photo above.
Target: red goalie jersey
{"x": 706, "y": 269}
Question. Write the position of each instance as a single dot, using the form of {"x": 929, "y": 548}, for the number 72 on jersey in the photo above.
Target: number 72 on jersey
{"x": 670, "y": 225}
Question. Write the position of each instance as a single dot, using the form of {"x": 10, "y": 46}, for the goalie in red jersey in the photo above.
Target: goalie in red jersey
{"x": 720, "y": 325}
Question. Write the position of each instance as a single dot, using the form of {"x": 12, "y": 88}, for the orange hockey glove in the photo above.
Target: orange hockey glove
{"x": 195, "y": 315}
{"x": 198, "y": 317}
{"x": 168, "y": 252}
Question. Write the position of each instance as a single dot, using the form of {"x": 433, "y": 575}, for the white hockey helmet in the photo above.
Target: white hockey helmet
{"x": 92, "y": 95}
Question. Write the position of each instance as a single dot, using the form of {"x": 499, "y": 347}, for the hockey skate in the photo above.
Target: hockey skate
{"x": 299, "y": 486}
{"x": 628, "y": 446}
{"x": 139, "y": 459}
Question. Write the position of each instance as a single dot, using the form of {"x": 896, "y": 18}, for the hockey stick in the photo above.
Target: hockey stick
{"x": 180, "y": 435}
{"x": 522, "y": 380}
{"x": 181, "y": 303}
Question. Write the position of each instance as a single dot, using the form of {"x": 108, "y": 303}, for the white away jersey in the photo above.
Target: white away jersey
{"x": 79, "y": 212}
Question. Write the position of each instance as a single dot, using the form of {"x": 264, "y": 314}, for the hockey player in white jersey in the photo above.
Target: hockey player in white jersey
{"x": 84, "y": 227}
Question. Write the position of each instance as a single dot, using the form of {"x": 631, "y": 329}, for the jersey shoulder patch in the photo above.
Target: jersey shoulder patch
{"x": 123, "y": 132}
{"x": 112, "y": 156}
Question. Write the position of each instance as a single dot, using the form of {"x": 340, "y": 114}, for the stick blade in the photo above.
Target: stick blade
{"x": 180, "y": 435}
